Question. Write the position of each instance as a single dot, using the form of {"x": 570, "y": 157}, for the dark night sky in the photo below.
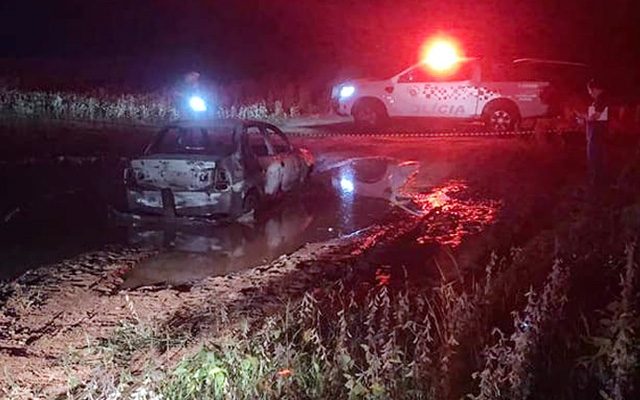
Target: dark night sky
{"x": 235, "y": 39}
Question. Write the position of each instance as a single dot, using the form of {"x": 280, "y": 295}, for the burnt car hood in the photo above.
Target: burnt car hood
{"x": 176, "y": 172}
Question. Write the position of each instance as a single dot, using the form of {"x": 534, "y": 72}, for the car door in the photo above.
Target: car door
{"x": 260, "y": 160}
{"x": 284, "y": 155}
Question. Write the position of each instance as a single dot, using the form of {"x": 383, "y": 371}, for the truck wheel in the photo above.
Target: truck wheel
{"x": 369, "y": 113}
{"x": 501, "y": 117}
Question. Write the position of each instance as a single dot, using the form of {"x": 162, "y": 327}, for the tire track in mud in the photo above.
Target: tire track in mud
{"x": 32, "y": 298}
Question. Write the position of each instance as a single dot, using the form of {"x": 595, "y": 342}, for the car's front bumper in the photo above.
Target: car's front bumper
{"x": 182, "y": 203}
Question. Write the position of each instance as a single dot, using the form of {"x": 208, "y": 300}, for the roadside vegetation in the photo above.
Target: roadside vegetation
{"x": 246, "y": 100}
{"x": 555, "y": 318}
{"x": 242, "y": 100}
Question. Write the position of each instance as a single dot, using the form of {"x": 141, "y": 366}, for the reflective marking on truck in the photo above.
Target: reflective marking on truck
{"x": 447, "y": 109}
{"x": 441, "y": 108}
{"x": 457, "y": 92}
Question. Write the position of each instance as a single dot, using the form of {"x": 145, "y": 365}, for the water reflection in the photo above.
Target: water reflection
{"x": 190, "y": 252}
{"x": 372, "y": 177}
{"x": 193, "y": 253}
{"x": 379, "y": 178}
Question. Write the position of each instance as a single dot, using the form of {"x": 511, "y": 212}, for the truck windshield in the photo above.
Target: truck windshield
{"x": 216, "y": 141}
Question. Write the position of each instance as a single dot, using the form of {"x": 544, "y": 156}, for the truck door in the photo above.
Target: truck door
{"x": 454, "y": 95}
{"x": 420, "y": 93}
{"x": 409, "y": 100}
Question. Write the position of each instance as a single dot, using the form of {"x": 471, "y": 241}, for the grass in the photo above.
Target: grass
{"x": 615, "y": 344}
{"x": 124, "y": 365}
{"x": 509, "y": 362}
{"x": 387, "y": 340}
{"x": 359, "y": 347}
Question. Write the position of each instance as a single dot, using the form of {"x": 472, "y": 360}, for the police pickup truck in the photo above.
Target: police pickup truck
{"x": 500, "y": 95}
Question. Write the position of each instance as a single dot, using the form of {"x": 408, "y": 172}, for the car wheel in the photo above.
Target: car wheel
{"x": 501, "y": 118}
{"x": 250, "y": 202}
{"x": 369, "y": 113}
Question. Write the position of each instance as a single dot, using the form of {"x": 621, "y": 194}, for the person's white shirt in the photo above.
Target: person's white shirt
{"x": 598, "y": 116}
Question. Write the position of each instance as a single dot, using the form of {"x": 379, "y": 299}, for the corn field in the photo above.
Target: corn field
{"x": 232, "y": 101}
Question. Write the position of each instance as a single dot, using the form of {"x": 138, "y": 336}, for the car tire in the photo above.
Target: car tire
{"x": 250, "y": 202}
{"x": 369, "y": 113}
{"x": 242, "y": 206}
{"x": 501, "y": 117}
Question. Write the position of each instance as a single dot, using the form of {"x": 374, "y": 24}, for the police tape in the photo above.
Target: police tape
{"x": 308, "y": 132}
{"x": 427, "y": 134}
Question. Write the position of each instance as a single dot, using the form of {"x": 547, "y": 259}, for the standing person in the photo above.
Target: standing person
{"x": 597, "y": 123}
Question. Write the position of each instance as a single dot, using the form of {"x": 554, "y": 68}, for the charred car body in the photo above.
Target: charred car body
{"x": 215, "y": 168}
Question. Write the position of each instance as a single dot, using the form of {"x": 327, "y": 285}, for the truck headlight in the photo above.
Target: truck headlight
{"x": 347, "y": 91}
{"x": 197, "y": 104}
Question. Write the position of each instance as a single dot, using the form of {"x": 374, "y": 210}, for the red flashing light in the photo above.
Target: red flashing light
{"x": 441, "y": 55}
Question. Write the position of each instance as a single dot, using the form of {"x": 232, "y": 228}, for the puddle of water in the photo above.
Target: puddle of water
{"x": 219, "y": 250}
{"x": 52, "y": 230}
{"x": 189, "y": 255}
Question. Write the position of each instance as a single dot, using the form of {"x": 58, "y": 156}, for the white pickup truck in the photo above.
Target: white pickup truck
{"x": 475, "y": 91}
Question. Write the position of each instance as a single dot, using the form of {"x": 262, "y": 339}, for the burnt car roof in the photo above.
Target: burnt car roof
{"x": 227, "y": 122}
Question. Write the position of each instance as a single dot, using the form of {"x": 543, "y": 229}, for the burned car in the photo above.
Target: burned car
{"x": 215, "y": 169}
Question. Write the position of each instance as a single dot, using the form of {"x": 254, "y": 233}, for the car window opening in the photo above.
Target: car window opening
{"x": 216, "y": 141}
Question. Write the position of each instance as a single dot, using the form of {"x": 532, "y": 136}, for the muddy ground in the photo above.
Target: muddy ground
{"x": 71, "y": 276}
